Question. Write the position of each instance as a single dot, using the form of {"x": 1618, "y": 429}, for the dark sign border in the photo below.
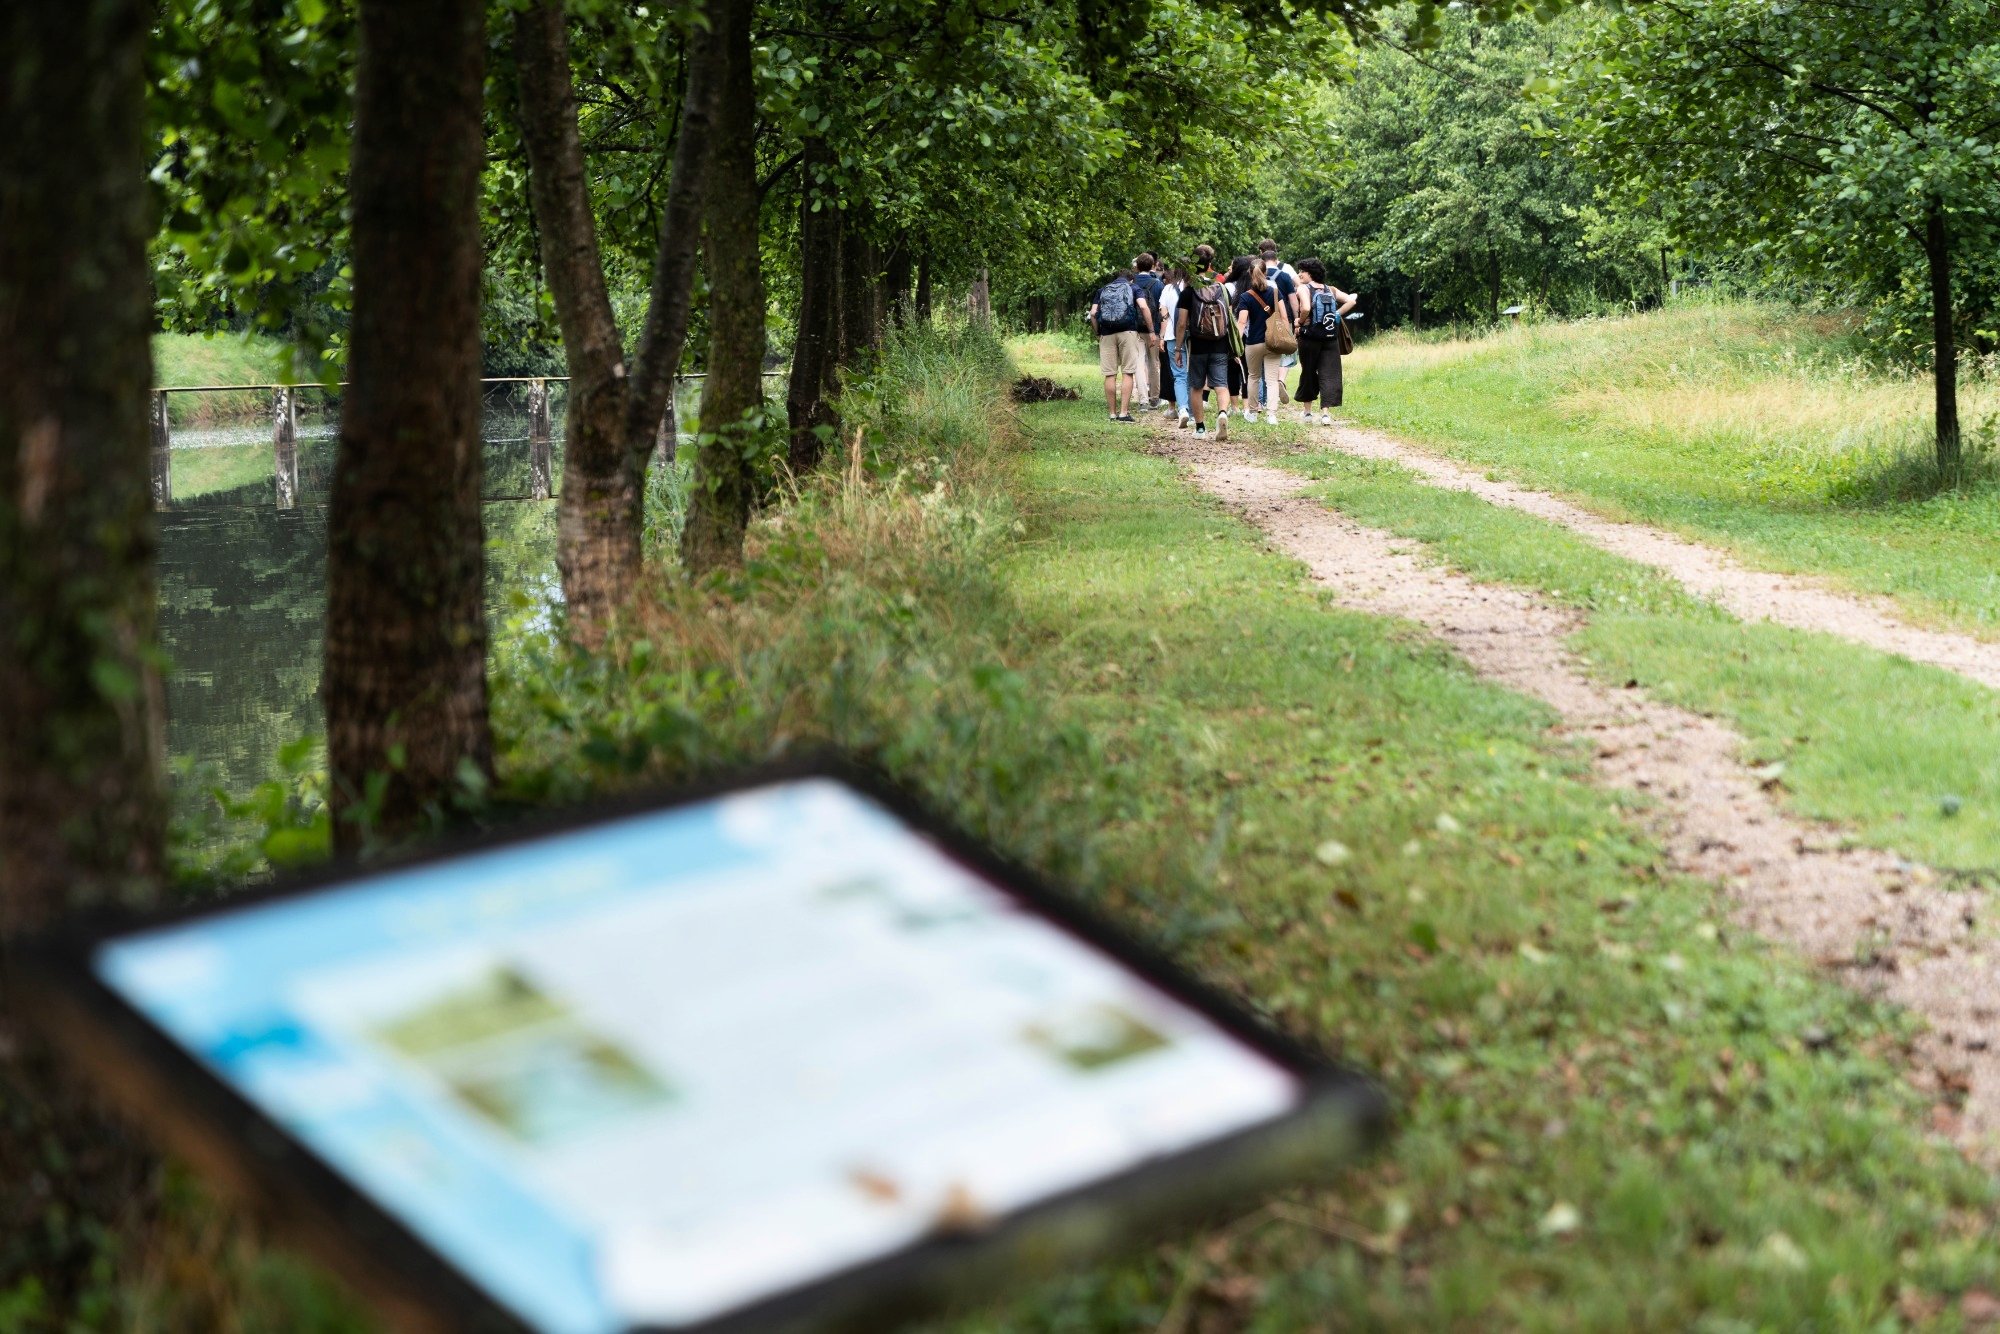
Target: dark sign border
{"x": 167, "y": 1089}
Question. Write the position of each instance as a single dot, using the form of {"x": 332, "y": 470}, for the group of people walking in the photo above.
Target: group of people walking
{"x": 1222, "y": 335}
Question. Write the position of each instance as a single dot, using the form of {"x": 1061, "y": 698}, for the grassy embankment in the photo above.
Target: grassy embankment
{"x": 1738, "y": 424}
{"x": 204, "y": 359}
{"x": 1610, "y": 1117}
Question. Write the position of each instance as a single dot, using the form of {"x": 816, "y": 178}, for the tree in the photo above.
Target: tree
{"x": 1443, "y": 194}
{"x": 612, "y": 414}
{"x": 1850, "y": 144}
{"x": 81, "y": 804}
{"x": 405, "y": 679}
{"x": 732, "y": 399}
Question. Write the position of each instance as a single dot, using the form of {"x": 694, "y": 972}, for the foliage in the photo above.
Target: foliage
{"x": 1439, "y": 195}
{"x": 1855, "y": 146}
{"x": 252, "y": 105}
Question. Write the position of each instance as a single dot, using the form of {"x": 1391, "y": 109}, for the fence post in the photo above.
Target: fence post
{"x": 163, "y": 462}
{"x": 541, "y": 460}
{"x": 285, "y": 447}
{"x": 667, "y": 436}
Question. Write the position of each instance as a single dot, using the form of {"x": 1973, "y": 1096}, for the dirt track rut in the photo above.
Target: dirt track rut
{"x": 1752, "y": 595}
{"x": 1889, "y": 928}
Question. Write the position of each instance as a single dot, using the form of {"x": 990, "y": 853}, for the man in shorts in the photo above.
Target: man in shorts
{"x": 1204, "y": 310}
{"x": 1120, "y": 320}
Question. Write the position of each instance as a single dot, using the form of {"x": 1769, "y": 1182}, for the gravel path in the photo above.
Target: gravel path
{"x": 1752, "y": 595}
{"x": 1892, "y": 929}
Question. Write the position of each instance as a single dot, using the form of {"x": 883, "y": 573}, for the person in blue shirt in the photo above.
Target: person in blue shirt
{"x": 1258, "y": 299}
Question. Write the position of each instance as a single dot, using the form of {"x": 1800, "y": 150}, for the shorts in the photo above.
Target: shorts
{"x": 1207, "y": 370}
{"x": 1119, "y": 353}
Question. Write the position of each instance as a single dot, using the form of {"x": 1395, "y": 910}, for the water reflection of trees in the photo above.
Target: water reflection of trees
{"x": 242, "y": 602}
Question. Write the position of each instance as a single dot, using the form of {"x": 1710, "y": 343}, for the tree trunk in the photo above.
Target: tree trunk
{"x": 860, "y": 288}
{"x": 405, "y": 679}
{"x": 896, "y": 285}
{"x": 1944, "y": 341}
{"x": 1416, "y": 305}
{"x": 979, "y": 299}
{"x": 597, "y": 525}
{"x": 1493, "y": 285}
{"x": 658, "y": 361}
{"x": 923, "y": 289}
{"x": 81, "y": 802}
{"x": 814, "y": 369}
{"x": 732, "y": 396}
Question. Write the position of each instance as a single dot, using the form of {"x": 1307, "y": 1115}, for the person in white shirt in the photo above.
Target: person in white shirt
{"x": 1170, "y": 304}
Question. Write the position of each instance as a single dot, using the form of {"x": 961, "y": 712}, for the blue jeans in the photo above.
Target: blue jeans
{"x": 1180, "y": 379}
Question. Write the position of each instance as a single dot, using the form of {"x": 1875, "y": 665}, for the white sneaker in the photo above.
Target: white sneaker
{"x": 1185, "y": 419}
{"x": 1306, "y": 417}
{"x": 1222, "y": 425}
{"x": 1326, "y": 419}
{"x": 1250, "y": 417}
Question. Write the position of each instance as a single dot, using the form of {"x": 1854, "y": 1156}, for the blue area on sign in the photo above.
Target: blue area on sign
{"x": 222, "y": 986}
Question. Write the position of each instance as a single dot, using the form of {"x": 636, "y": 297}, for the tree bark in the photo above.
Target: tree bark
{"x": 896, "y": 285}
{"x": 82, "y": 811}
{"x": 658, "y": 360}
{"x": 732, "y": 397}
{"x": 808, "y": 397}
{"x": 860, "y": 288}
{"x": 923, "y": 289}
{"x": 979, "y": 299}
{"x": 1944, "y": 341}
{"x": 405, "y": 678}
{"x": 597, "y": 524}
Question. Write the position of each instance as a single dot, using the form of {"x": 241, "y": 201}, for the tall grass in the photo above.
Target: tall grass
{"x": 220, "y": 358}
{"x": 1810, "y": 413}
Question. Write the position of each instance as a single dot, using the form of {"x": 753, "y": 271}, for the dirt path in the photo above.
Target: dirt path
{"x": 1891, "y": 929}
{"x": 1753, "y": 595}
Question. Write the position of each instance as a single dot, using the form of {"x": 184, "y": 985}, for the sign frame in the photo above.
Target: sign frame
{"x": 167, "y": 1091}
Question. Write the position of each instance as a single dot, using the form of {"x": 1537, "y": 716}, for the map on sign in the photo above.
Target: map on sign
{"x": 655, "y": 1070}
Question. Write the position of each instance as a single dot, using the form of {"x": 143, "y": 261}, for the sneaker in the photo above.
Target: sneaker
{"x": 1251, "y": 417}
{"x": 1124, "y": 417}
{"x": 1185, "y": 419}
{"x": 1200, "y": 430}
{"x": 1222, "y": 425}
{"x": 1326, "y": 419}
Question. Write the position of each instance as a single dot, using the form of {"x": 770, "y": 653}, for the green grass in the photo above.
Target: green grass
{"x": 1742, "y": 425}
{"x": 205, "y": 359}
{"x": 200, "y": 472}
{"x": 1609, "y": 1116}
{"x": 1873, "y": 741}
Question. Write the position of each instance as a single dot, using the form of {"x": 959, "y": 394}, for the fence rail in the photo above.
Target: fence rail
{"x": 284, "y": 411}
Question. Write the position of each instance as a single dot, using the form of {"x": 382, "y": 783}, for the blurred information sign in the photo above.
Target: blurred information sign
{"x": 758, "y": 1058}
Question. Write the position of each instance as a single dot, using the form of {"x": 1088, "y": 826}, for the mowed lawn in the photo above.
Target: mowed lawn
{"x": 1744, "y": 425}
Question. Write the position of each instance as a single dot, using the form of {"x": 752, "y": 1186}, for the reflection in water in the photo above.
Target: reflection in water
{"x": 242, "y": 607}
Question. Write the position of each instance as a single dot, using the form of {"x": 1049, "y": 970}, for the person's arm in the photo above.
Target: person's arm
{"x": 1180, "y": 333}
{"x": 1093, "y": 319}
{"x": 1348, "y": 300}
{"x": 1146, "y": 320}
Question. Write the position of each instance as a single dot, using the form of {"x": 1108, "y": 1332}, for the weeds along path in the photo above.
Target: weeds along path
{"x": 1753, "y": 595}
{"x": 1893, "y": 930}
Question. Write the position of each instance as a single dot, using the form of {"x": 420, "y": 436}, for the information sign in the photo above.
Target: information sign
{"x": 770, "y": 1055}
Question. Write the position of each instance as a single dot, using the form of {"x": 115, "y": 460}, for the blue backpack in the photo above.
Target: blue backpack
{"x": 1115, "y": 302}
{"x": 1322, "y": 318}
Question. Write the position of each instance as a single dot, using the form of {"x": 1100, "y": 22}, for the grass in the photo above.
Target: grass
{"x": 1873, "y": 741}
{"x": 204, "y": 359}
{"x": 1611, "y": 1116}
{"x": 1743, "y": 425}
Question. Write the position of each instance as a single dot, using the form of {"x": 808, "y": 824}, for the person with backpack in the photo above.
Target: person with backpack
{"x": 1147, "y": 390}
{"x": 1204, "y": 347}
{"x": 1118, "y": 317}
{"x": 1323, "y": 337}
{"x": 1288, "y": 277}
{"x": 1260, "y": 305}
